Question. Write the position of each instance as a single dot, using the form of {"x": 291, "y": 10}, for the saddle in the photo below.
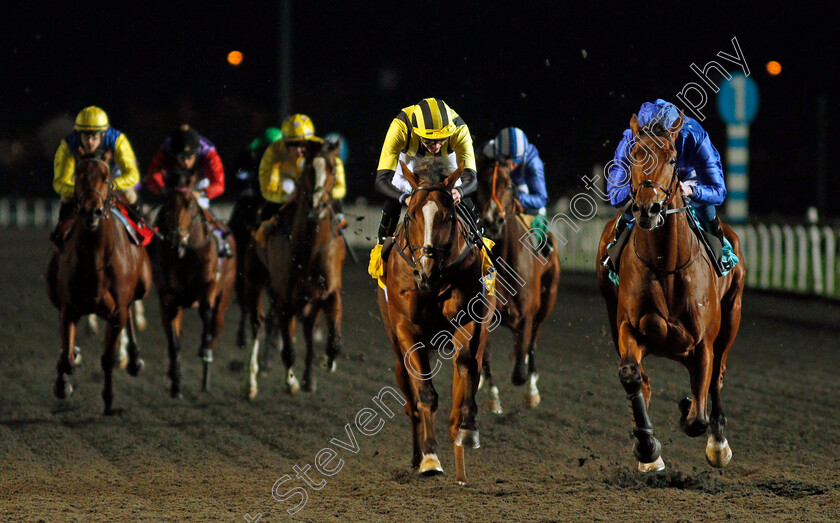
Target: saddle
{"x": 138, "y": 231}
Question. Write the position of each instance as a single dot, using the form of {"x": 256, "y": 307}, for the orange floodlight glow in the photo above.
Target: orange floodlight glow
{"x": 234, "y": 58}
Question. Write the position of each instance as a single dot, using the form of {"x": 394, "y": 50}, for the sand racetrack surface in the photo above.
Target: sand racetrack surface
{"x": 216, "y": 456}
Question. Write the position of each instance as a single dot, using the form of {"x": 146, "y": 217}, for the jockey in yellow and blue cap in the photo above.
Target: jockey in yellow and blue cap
{"x": 92, "y": 134}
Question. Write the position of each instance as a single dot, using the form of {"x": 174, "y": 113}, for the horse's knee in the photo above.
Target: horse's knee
{"x": 428, "y": 397}
{"x": 630, "y": 376}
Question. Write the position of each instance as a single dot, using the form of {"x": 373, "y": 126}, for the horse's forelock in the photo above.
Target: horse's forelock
{"x": 432, "y": 170}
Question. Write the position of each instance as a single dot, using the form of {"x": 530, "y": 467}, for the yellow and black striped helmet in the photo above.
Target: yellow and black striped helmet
{"x": 432, "y": 119}
{"x": 91, "y": 119}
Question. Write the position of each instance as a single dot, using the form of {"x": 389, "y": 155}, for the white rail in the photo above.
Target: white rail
{"x": 783, "y": 257}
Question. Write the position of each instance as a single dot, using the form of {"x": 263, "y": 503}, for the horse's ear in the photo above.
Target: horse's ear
{"x": 408, "y": 175}
{"x": 453, "y": 178}
{"x": 674, "y": 130}
{"x": 634, "y": 125}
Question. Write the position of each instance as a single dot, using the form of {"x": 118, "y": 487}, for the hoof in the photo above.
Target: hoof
{"x": 430, "y": 466}
{"x": 175, "y": 393}
{"x": 108, "y": 411}
{"x": 292, "y": 383}
{"x": 532, "y": 394}
{"x": 134, "y": 367}
{"x": 62, "y": 390}
{"x": 77, "y": 356}
{"x": 330, "y": 364}
{"x": 494, "y": 404}
{"x": 718, "y": 454}
{"x": 461, "y": 483}
{"x": 520, "y": 373}
{"x": 467, "y": 438}
{"x": 684, "y": 405}
{"x": 206, "y": 355}
{"x": 649, "y": 455}
{"x": 656, "y": 466}
{"x": 309, "y": 385}
{"x": 249, "y": 392}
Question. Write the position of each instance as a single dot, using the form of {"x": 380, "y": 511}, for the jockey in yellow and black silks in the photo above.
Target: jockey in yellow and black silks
{"x": 92, "y": 134}
{"x": 282, "y": 165}
{"x": 428, "y": 129}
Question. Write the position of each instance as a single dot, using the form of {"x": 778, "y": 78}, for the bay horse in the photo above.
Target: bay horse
{"x": 99, "y": 271}
{"x": 524, "y": 308}
{"x": 300, "y": 267}
{"x": 434, "y": 297}
{"x": 189, "y": 271}
{"x": 670, "y": 302}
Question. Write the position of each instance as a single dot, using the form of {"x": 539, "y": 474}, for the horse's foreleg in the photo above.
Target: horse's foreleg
{"x": 69, "y": 356}
{"x": 416, "y": 363}
{"x": 309, "y": 319}
{"x": 694, "y": 420}
{"x": 463, "y": 428}
{"x": 205, "y": 349}
{"x": 648, "y": 449}
{"x": 109, "y": 356}
{"x": 404, "y": 383}
{"x": 171, "y": 316}
{"x": 135, "y": 364}
{"x": 334, "y": 344}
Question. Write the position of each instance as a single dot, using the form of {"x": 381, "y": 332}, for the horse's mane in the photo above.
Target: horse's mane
{"x": 432, "y": 170}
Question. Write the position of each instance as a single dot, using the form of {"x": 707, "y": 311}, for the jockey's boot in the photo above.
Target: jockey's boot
{"x": 66, "y": 215}
{"x": 715, "y": 246}
{"x": 540, "y": 225}
{"x": 388, "y": 221}
{"x": 222, "y": 232}
{"x": 622, "y": 234}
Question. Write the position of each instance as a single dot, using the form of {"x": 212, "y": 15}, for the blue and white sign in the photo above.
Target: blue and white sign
{"x": 737, "y": 100}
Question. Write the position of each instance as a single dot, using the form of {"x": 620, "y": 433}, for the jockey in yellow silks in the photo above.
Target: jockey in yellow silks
{"x": 92, "y": 134}
{"x": 282, "y": 165}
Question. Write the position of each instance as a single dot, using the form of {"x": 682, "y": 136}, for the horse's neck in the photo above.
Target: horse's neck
{"x": 669, "y": 246}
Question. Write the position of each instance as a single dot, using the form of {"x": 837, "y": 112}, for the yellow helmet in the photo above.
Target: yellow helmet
{"x": 432, "y": 119}
{"x": 299, "y": 127}
{"x": 92, "y": 119}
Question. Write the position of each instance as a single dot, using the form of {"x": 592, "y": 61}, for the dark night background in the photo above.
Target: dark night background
{"x": 569, "y": 75}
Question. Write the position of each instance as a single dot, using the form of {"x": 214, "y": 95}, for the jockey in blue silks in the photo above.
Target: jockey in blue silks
{"x": 700, "y": 170}
{"x": 512, "y": 149}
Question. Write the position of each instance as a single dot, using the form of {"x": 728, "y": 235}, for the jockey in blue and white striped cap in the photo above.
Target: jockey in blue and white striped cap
{"x": 527, "y": 171}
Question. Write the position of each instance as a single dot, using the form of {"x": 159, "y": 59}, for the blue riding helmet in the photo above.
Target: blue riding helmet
{"x": 512, "y": 143}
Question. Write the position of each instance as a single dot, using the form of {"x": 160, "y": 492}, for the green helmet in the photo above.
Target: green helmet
{"x": 269, "y": 136}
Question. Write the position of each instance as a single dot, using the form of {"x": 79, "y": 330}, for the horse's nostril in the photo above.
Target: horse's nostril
{"x": 97, "y": 213}
{"x": 635, "y": 207}
{"x": 655, "y": 208}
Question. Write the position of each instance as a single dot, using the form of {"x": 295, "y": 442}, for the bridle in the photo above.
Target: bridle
{"x": 441, "y": 253}
{"x": 107, "y": 199}
{"x": 179, "y": 240}
{"x": 663, "y": 213}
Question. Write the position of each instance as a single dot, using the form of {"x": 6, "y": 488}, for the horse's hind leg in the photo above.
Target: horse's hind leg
{"x": 309, "y": 318}
{"x": 286, "y": 326}
{"x": 135, "y": 364}
{"x": 334, "y": 344}
{"x": 637, "y": 386}
{"x": 69, "y": 356}
{"x": 694, "y": 419}
{"x": 718, "y": 451}
{"x": 494, "y": 404}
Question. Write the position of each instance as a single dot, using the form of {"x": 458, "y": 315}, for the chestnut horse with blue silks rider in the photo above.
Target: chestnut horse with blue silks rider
{"x": 669, "y": 300}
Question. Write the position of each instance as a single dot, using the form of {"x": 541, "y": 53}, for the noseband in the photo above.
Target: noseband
{"x": 430, "y": 251}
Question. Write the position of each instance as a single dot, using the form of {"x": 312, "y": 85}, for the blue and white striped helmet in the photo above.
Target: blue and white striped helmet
{"x": 511, "y": 143}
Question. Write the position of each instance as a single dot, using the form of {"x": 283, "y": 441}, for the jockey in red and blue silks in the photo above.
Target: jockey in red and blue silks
{"x": 700, "y": 170}
{"x": 512, "y": 149}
